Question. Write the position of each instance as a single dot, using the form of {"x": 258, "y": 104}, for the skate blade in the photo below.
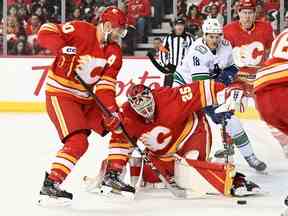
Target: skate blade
{"x": 112, "y": 193}
{"x": 264, "y": 172}
{"x": 46, "y": 201}
{"x": 255, "y": 192}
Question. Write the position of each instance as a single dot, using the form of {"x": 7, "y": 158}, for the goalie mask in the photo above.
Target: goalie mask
{"x": 142, "y": 101}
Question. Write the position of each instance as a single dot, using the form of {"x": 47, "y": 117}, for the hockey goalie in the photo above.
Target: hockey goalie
{"x": 171, "y": 123}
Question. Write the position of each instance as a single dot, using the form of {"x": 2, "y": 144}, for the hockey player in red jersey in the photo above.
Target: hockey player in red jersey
{"x": 250, "y": 49}
{"x": 171, "y": 121}
{"x": 271, "y": 86}
{"x": 89, "y": 51}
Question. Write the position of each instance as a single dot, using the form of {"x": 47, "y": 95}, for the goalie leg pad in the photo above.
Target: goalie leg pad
{"x": 204, "y": 177}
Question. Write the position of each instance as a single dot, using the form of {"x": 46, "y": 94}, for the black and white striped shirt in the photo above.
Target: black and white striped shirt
{"x": 176, "y": 47}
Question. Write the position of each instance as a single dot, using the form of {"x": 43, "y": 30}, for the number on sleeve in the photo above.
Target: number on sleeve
{"x": 111, "y": 59}
{"x": 280, "y": 47}
{"x": 68, "y": 28}
{"x": 186, "y": 93}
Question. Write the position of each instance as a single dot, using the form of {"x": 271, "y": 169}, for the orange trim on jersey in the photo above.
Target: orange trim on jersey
{"x": 68, "y": 157}
{"x": 59, "y": 115}
{"x": 65, "y": 82}
{"x": 53, "y": 89}
{"x": 183, "y": 135}
{"x": 252, "y": 29}
{"x": 202, "y": 93}
{"x": 212, "y": 89}
{"x": 105, "y": 87}
{"x": 109, "y": 79}
{"x": 208, "y": 138}
{"x": 71, "y": 66}
{"x": 167, "y": 159}
{"x": 61, "y": 167}
{"x": 270, "y": 77}
{"x": 49, "y": 27}
{"x": 120, "y": 145}
{"x": 117, "y": 157}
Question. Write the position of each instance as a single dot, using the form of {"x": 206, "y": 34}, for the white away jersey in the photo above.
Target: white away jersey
{"x": 200, "y": 61}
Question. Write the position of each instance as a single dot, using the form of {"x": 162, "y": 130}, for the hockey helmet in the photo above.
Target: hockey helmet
{"x": 247, "y": 4}
{"x": 212, "y": 26}
{"x": 142, "y": 101}
{"x": 116, "y": 17}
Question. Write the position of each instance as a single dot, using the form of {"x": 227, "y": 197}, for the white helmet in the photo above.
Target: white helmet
{"x": 212, "y": 26}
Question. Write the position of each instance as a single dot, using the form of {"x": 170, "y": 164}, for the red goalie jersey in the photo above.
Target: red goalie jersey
{"x": 178, "y": 120}
{"x": 68, "y": 42}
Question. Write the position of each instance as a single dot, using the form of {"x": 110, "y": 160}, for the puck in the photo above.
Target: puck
{"x": 241, "y": 202}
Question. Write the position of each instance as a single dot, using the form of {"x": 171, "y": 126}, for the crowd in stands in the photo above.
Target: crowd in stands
{"x": 24, "y": 18}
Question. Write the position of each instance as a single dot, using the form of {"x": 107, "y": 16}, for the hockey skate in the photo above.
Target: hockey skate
{"x": 52, "y": 195}
{"x": 112, "y": 184}
{"x": 242, "y": 187}
{"x": 255, "y": 163}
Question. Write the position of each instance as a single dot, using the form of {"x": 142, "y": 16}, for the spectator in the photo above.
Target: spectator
{"x": 194, "y": 21}
{"x": 260, "y": 13}
{"x": 158, "y": 13}
{"x": 21, "y": 48}
{"x": 181, "y": 8}
{"x": 76, "y": 14}
{"x": 141, "y": 11}
{"x": 129, "y": 42}
{"x": 214, "y": 12}
{"x": 157, "y": 43}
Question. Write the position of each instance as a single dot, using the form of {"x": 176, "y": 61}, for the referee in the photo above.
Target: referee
{"x": 175, "y": 47}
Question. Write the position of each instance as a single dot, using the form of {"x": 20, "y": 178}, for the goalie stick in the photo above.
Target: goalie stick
{"x": 177, "y": 192}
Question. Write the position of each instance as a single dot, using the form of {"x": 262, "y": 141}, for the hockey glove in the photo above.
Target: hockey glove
{"x": 228, "y": 74}
{"x": 113, "y": 122}
{"x": 217, "y": 117}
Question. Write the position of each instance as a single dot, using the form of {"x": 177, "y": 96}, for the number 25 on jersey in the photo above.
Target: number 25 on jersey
{"x": 186, "y": 93}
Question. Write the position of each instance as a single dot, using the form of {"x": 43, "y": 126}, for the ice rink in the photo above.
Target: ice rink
{"x": 29, "y": 142}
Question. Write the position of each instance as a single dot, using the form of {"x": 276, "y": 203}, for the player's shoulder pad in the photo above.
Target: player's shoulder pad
{"x": 113, "y": 47}
{"x": 263, "y": 24}
{"x": 201, "y": 49}
{"x": 231, "y": 25}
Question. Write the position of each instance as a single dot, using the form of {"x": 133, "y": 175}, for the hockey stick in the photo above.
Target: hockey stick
{"x": 177, "y": 192}
{"x": 156, "y": 64}
{"x": 227, "y": 146}
{"x": 224, "y": 140}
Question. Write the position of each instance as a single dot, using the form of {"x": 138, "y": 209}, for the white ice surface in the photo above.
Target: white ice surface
{"x": 29, "y": 142}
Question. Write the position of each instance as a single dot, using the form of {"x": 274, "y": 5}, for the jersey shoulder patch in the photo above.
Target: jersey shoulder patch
{"x": 201, "y": 48}
{"x": 225, "y": 43}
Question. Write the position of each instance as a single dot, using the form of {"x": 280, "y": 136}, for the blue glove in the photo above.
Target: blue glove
{"x": 227, "y": 76}
{"x": 217, "y": 117}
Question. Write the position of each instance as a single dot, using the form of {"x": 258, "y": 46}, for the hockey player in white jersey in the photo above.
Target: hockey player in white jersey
{"x": 210, "y": 57}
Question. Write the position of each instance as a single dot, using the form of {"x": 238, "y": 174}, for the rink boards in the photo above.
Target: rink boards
{"x": 23, "y": 87}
